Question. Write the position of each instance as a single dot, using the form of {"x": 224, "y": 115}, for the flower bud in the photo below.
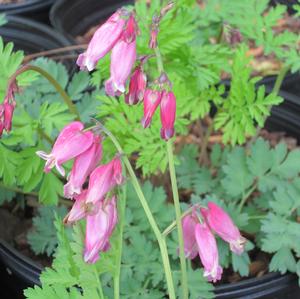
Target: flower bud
{"x": 167, "y": 114}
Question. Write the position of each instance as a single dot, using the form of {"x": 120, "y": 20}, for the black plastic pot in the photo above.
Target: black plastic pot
{"x": 18, "y": 272}
{"x": 288, "y": 3}
{"x": 34, "y": 9}
{"x": 289, "y": 82}
{"x": 73, "y": 18}
{"x": 32, "y": 37}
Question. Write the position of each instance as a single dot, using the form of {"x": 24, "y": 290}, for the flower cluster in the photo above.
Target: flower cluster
{"x": 118, "y": 34}
{"x": 198, "y": 228}
{"x": 7, "y": 109}
{"x": 101, "y": 212}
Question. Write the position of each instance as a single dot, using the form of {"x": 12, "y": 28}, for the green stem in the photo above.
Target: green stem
{"x": 246, "y": 196}
{"x": 172, "y": 226}
{"x": 256, "y": 217}
{"x": 18, "y": 190}
{"x": 184, "y": 282}
{"x": 59, "y": 89}
{"x": 280, "y": 79}
{"x": 160, "y": 65}
{"x": 35, "y": 194}
{"x": 120, "y": 245}
{"x": 205, "y": 142}
{"x": 99, "y": 285}
{"x": 149, "y": 215}
{"x": 44, "y": 135}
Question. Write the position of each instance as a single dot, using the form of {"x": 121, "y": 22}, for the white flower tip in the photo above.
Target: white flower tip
{"x": 43, "y": 155}
{"x": 60, "y": 169}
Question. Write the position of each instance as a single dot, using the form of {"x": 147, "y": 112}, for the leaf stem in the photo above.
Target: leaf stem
{"x": 59, "y": 89}
{"x": 203, "y": 152}
{"x": 279, "y": 79}
{"x": 160, "y": 239}
{"x": 246, "y": 196}
{"x": 184, "y": 282}
{"x": 120, "y": 245}
{"x": 275, "y": 90}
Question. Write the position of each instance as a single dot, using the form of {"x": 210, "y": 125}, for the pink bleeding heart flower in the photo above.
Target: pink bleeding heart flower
{"x": 130, "y": 30}
{"x": 80, "y": 209}
{"x": 7, "y": 108}
{"x": 1, "y": 119}
{"x": 103, "y": 179}
{"x": 83, "y": 165}
{"x": 8, "y": 115}
{"x": 122, "y": 60}
{"x": 208, "y": 252}
{"x": 188, "y": 227}
{"x": 167, "y": 114}
{"x": 152, "y": 99}
{"x": 220, "y": 222}
{"x": 102, "y": 41}
{"x": 70, "y": 143}
{"x": 99, "y": 228}
{"x": 137, "y": 86}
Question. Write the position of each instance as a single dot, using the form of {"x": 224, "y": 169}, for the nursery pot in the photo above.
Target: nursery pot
{"x": 31, "y": 36}
{"x": 34, "y": 9}
{"x": 19, "y": 272}
{"x": 64, "y": 15}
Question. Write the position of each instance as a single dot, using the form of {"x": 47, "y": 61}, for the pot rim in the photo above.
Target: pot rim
{"x": 27, "y": 5}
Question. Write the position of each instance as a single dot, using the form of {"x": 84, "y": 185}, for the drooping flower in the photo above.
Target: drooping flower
{"x": 152, "y": 99}
{"x": 188, "y": 227}
{"x": 130, "y": 30}
{"x": 83, "y": 165}
{"x": 99, "y": 228}
{"x": 208, "y": 252}
{"x": 102, "y": 42}
{"x": 137, "y": 86}
{"x": 167, "y": 114}
{"x": 70, "y": 143}
{"x": 1, "y": 119}
{"x": 7, "y": 108}
{"x": 103, "y": 179}
{"x": 8, "y": 115}
{"x": 80, "y": 209}
{"x": 123, "y": 57}
{"x": 220, "y": 222}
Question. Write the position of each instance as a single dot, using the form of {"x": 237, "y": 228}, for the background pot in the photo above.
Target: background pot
{"x": 34, "y": 9}
{"x": 65, "y": 15}
{"x": 32, "y": 37}
{"x": 19, "y": 272}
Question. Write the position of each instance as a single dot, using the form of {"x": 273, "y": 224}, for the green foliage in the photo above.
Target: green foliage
{"x": 39, "y": 115}
{"x": 9, "y": 62}
{"x": 244, "y": 107}
{"x": 43, "y": 238}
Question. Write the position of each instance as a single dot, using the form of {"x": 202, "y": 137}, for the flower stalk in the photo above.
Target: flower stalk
{"x": 122, "y": 208}
{"x": 160, "y": 238}
{"x": 68, "y": 101}
{"x": 184, "y": 282}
